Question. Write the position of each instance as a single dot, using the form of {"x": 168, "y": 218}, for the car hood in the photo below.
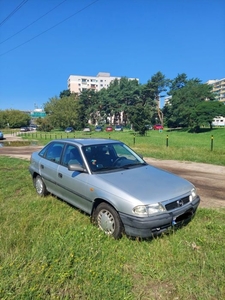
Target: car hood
{"x": 146, "y": 184}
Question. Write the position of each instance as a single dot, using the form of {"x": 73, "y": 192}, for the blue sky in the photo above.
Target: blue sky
{"x": 43, "y": 42}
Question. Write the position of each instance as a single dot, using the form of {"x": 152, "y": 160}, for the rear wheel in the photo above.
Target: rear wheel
{"x": 40, "y": 186}
{"x": 108, "y": 220}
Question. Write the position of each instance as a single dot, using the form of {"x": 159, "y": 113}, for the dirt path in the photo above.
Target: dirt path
{"x": 208, "y": 179}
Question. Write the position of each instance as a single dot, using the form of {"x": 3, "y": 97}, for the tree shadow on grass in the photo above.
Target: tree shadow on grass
{"x": 201, "y": 130}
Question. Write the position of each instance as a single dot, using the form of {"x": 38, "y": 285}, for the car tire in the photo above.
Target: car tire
{"x": 40, "y": 186}
{"x": 108, "y": 220}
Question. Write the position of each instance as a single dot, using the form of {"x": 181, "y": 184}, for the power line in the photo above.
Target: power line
{"x": 32, "y": 22}
{"x": 50, "y": 27}
{"x": 13, "y": 12}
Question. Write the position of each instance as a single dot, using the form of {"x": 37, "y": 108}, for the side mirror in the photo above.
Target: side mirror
{"x": 76, "y": 167}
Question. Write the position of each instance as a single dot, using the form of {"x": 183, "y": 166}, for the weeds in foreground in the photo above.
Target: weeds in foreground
{"x": 49, "y": 250}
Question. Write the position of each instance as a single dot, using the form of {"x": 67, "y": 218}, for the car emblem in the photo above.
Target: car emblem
{"x": 180, "y": 203}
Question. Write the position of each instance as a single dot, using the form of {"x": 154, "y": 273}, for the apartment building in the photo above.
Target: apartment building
{"x": 79, "y": 83}
{"x": 218, "y": 88}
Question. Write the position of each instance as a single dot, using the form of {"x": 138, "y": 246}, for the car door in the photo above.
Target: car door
{"x": 48, "y": 166}
{"x": 73, "y": 184}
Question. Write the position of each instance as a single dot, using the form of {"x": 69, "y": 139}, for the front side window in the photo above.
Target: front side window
{"x": 71, "y": 156}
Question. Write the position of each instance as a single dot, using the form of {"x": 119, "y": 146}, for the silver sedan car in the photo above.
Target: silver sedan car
{"x": 115, "y": 186}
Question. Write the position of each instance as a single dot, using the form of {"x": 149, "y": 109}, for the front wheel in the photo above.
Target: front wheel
{"x": 108, "y": 220}
{"x": 40, "y": 186}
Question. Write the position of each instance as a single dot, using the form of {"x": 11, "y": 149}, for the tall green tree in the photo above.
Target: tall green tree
{"x": 88, "y": 106}
{"x": 2, "y": 120}
{"x": 112, "y": 100}
{"x": 206, "y": 111}
{"x": 177, "y": 83}
{"x": 129, "y": 96}
{"x": 139, "y": 118}
{"x": 153, "y": 90}
{"x": 64, "y": 93}
{"x": 183, "y": 106}
{"x": 44, "y": 124}
{"x": 117, "y": 98}
{"x": 63, "y": 112}
{"x": 14, "y": 118}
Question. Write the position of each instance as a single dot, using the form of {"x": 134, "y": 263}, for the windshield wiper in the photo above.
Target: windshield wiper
{"x": 128, "y": 166}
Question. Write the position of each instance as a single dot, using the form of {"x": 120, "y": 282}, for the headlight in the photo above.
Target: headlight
{"x": 147, "y": 210}
{"x": 193, "y": 194}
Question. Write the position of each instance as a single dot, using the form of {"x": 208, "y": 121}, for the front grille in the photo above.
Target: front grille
{"x": 177, "y": 203}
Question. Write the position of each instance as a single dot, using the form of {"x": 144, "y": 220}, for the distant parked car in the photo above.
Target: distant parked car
{"x": 87, "y": 129}
{"x": 158, "y": 127}
{"x": 109, "y": 128}
{"x": 118, "y": 128}
{"x": 98, "y": 128}
{"x": 33, "y": 127}
{"x": 24, "y": 129}
{"x": 148, "y": 127}
{"x": 1, "y": 135}
{"x": 69, "y": 129}
{"x": 115, "y": 186}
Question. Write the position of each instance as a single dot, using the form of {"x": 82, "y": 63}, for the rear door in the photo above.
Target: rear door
{"x": 48, "y": 167}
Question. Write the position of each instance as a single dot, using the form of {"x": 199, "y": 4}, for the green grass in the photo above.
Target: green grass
{"x": 49, "y": 250}
{"x": 207, "y": 146}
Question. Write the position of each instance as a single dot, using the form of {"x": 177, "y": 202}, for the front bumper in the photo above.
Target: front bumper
{"x": 157, "y": 224}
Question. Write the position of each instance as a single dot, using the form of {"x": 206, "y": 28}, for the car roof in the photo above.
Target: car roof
{"x": 87, "y": 142}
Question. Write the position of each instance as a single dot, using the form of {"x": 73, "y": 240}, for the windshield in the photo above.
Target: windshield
{"x": 105, "y": 157}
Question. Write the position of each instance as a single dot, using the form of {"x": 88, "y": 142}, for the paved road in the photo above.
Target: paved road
{"x": 208, "y": 179}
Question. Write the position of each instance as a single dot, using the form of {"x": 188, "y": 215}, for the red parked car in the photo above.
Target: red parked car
{"x": 158, "y": 127}
{"x": 109, "y": 128}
